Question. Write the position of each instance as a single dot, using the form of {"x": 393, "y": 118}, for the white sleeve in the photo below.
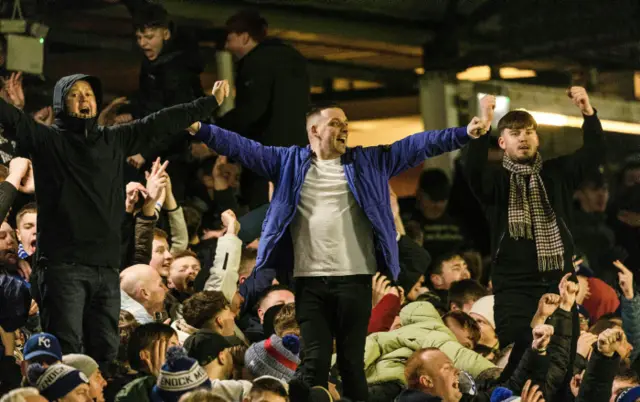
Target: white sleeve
{"x": 223, "y": 275}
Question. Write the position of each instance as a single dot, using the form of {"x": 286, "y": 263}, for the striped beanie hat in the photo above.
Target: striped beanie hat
{"x": 56, "y": 381}
{"x": 179, "y": 374}
{"x": 276, "y": 357}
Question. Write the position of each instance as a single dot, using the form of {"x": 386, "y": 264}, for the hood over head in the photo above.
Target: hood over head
{"x": 60, "y": 91}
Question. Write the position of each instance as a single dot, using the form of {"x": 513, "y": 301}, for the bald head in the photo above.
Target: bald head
{"x": 144, "y": 284}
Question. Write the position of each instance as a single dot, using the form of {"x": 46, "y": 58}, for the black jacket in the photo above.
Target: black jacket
{"x": 272, "y": 96}
{"x": 598, "y": 378}
{"x": 514, "y": 262}
{"x": 78, "y": 169}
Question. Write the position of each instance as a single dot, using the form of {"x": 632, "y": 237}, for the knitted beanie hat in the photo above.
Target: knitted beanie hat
{"x": 56, "y": 381}
{"x": 276, "y": 357}
{"x": 629, "y": 395}
{"x": 484, "y": 307}
{"x": 179, "y": 374}
{"x": 84, "y": 363}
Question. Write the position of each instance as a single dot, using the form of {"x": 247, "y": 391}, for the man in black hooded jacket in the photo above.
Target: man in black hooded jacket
{"x": 78, "y": 167}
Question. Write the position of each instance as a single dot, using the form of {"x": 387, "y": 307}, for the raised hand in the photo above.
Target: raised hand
{"x": 133, "y": 195}
{"x": 476, "y": 128}
{"x": 137, "y": 161}
{"x": 156, "y": 180}
{"x": 194, "y": 128}
{"x": 625, "y": 279}
{"x": 585, "y": 344}
{"x": 580, "y": 98}
{"x": 568, "y": 292}
{"x": 541, "y": 337}
{"x": 487, "y": 108}
{"x": 547, "y": 305}
{"x": 14, "y": 91}
{"x": 220, "y": 90}
{"x": 44, "y": 116}
{"x": 21, "y": 175}
{"x": 109, "y": 114}
{"x": 610, "y": 341}
{"x": 380, "y": 283}
{"x": 230, "y": 222}
{"x": 531, "y": 393}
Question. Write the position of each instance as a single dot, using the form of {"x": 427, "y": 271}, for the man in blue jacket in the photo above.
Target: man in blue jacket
{"x": 330, "y": 227}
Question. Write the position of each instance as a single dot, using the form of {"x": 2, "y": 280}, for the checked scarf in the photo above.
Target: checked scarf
{"x": 531, "y": 215}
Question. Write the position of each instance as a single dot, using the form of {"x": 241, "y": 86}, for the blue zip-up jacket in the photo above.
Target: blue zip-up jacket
{"x": 367, "y": 170}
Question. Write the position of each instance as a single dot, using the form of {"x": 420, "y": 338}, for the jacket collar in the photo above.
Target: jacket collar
{"x": 136, "y": 309}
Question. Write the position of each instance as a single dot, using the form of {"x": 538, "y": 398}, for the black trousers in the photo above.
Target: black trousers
{"x": 80, "y": 305}
{"x": 328, "y": 308}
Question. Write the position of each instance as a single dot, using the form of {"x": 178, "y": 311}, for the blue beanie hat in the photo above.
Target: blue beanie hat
{"x": 501, "y": 394}
{"x": 276, "y": 357}
{"x": 629, "y": 395}
{"x": 179, "y": 374}
{"x": 56, "y": 381}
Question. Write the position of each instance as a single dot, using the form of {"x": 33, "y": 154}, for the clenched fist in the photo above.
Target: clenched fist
{"x": 477, "y": 128}
{"x": 487, "y": 107}
{"x": 610, "y": 341}
{"x": 220, "y": 90}
{"x": 580, "y": 98}
{"x": 541, "y": 337}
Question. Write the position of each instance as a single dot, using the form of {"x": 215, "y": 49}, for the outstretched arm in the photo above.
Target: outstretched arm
{"x": 29, "y": 132}
{"x": 413, "y": 150}
{"x": 261, "y": 159}
{"x": 170, "y": 121}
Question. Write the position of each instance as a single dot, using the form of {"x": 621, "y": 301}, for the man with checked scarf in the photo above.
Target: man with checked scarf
{"x": 528, "y": 203}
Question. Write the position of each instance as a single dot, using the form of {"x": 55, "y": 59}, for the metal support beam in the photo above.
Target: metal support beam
{"x": 215, "y": 14}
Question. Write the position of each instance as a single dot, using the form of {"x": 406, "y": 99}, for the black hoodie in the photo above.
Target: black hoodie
{"x": 78, "y": 169}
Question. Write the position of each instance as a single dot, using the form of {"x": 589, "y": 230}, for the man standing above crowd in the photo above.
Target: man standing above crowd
{"x": 330, "y": 226}
{"x": 169, "y": 75}
{"x": 78, "y": 169}
{"x": 529, "y": 206}
{"x": 272, "y": 93}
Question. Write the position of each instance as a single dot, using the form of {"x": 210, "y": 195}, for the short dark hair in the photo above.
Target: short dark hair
{"x": 317, "y": 108}
{"x": 466, "y": 322}
{"x": 143, "y": 337}
{"x": 268, "y": 385}
{"x": 157, "y": 232}
{"x": 466, "y": 290}
{"x": 517, "y": 120}
{"x": 151, "y": 16}
{"x": 436, "y": 266}
{"x": 414, "y": 367}
{"x": 202, "y": 307}
{"x": 285, "y": 319}
{"x": 247, "y": 256}
{"x": 435, "y": 184}
{"x": 269, "y": 290}
{"x": 627, "y": 374}
{"x": 248, "y": 21}
{"x": 4, "y": 172}
{"x": 185, "y": 253}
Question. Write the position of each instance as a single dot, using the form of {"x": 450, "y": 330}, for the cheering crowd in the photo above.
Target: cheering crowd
{"x": 152, "y": 250}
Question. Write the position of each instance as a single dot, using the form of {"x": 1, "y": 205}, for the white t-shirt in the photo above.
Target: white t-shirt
{"x": 331, "y": 234}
